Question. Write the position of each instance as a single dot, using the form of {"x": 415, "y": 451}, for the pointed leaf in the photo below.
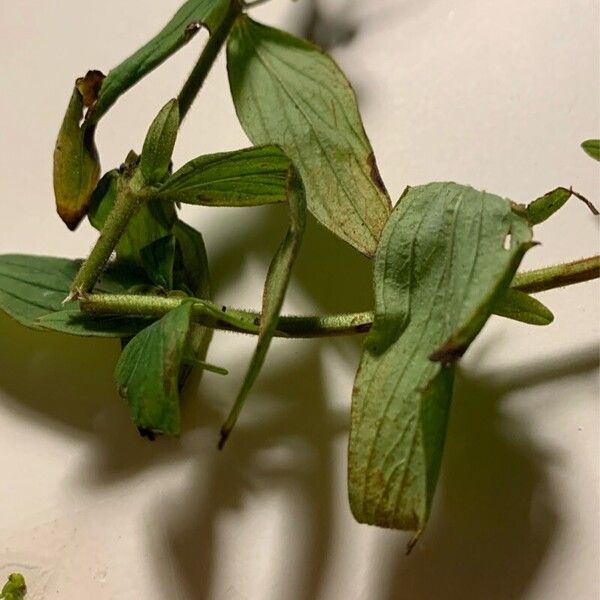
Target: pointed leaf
{"x": 159, "y": 144}
{"x": 288, "y": 92}
{"x": 545, "y": 206}
{"x": 519, "y": 306}
{"x": 592, "y": 148}
{"x": 440, "y": 268}
{"x": 243, "y": 178}
{"x": 32, "y": 287}
{"x": 186, "y": 22}
{"x": 76, "y": 165}
{"x": 276, "y": 285}
{"x": 147, "y": 373}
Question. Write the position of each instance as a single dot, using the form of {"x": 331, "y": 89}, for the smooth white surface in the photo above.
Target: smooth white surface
{"x": 498, "y": 95}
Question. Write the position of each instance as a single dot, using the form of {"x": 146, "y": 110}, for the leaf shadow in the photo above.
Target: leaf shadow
{"x": 496, "y": 516}
{"x": 283, "y": 447}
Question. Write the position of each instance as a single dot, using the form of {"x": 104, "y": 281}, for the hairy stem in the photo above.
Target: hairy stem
{"x": 126, "y": 205}
{"x": 207, "y": 59}
{"x": 229, "y": 319}
{"x": 557, "y": 276}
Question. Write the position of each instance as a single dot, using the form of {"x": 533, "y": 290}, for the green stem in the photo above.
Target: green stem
{"x": 557, "y": 276}
{"x": 207, "y": 59}
{"x": 229, "y": 319}
{"x": 126, "y": 205}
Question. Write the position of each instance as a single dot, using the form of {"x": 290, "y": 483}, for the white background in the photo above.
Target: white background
{"x": 495, "y": 94}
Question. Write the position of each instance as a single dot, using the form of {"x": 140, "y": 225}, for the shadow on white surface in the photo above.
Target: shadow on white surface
{"x": 487, "y": 538}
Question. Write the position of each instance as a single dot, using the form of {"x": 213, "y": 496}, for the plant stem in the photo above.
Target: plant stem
{"x": 207, "y": 58}
{"x": 243, "y": 321}
{"x": 126, "y": 205}
{"x": 557, "y": 275}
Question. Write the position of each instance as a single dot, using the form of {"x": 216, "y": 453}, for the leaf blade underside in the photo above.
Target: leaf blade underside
{"x": 440, "y": 268}
{"x": 288, "y": 92}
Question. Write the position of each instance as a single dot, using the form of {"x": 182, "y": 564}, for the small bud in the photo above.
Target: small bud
{"x": 159, "y": 143}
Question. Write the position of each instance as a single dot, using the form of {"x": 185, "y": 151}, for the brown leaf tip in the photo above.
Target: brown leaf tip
{"x": 89, "y": 86}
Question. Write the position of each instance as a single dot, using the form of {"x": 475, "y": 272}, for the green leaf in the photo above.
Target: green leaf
{"x": 519, "y": 306}
{"x": 191, "y": 262}
{"x": 243, "y": 178}
{"x": 191, "y": 274}
{"x": 447, "y": 254}
{"x": 592, "y": 148}
{"x": 147, "y": 373}
{"x": 76, "y": 167}
{"x": 545, "y": 206}
{"x": 32, "y": 287}
{"x": 178, "y": 32}
{"x": 159, "y": 143}
{"x": 276, "y": 285}
{"x": 158, "y": 260}
{"x": 154, "y": 220}
{"x": 288, "y": 92}
{"x": 14, "y": 588}
{"x": 73, "y": 322}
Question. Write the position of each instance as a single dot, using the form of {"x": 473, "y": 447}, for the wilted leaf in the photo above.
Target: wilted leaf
{"x": 592, "y": 148}
{"x": 76, "y": 165}
{"x": 242, "y": 178}
{"x": 33, "y": 287}
{"x": 440, "y": 268}
{"x": 159, "y": 144}
{"x": 519, "y": 306}
{"x": 181, "y": 28}
{"x": 276, "y": 284}
{"x": 288, "y": 92}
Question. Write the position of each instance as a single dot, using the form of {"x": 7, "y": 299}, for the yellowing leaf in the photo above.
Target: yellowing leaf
{"x": 76, "y": 163}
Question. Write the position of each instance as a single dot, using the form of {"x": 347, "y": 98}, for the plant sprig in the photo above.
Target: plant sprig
{"x": 445, "y": 258}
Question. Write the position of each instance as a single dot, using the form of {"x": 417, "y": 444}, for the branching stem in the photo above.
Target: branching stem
{"x": 229, "y": 319}
{"x": 126, "y": 205}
